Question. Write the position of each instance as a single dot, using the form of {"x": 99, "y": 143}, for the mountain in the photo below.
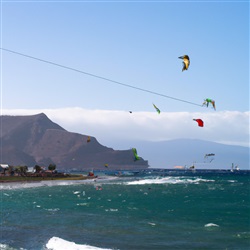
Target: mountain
{"x": 181, "y": 152}
{"x": 31, "y": 140}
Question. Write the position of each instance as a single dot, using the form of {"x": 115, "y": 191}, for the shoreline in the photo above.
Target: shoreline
{"x": 25, "y": 179}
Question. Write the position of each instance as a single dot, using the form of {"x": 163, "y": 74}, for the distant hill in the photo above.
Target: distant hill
{"x": 35, "y": 139}
{"x": 181, "y": 152}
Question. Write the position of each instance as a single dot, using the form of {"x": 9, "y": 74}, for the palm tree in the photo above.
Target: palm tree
{"x": 52, "y": 167}
{"x": 21, "y": 170}
{"x": 37, "y": 168}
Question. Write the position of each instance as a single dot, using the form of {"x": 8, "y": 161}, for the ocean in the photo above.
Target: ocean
{"x": 153, "y": 209}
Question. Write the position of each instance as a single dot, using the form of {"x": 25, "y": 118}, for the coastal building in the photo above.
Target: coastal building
{"x": 3, "y": 168}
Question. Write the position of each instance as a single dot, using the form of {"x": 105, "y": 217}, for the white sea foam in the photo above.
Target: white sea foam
{"x": 168, "y": 180}
{"x": 52, "y": 209}
{"x": 6, "y": 247}
{"x": 211, "y": 225}
{"x": 111, "y": 210}
{"x": 47, "y": 183}
{"x": 15, "y": 185}
{"x": 56, "y": 243}
{"x": 83, "y": 204}
{"x": 151, "y": 223}
{"x": 144, "y": 181}
{"x": 243, "y": 235}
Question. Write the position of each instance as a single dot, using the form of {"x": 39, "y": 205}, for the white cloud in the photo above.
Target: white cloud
{"x": 228, "y": 127}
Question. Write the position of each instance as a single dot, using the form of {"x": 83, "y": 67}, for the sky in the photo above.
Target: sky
{"x": 86, "y": 64}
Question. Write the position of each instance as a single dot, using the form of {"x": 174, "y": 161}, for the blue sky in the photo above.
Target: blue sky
{"x": 136, "y": 43}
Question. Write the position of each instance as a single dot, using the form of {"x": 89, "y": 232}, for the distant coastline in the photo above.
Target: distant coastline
{"x": 163, "y": 172}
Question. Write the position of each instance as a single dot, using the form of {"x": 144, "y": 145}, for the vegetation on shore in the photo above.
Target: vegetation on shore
{"x": 40, "y": 178}
{"x": 21, "y": 174}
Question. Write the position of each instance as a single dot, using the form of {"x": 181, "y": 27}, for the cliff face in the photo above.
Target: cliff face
{"x": 31, "y": 140}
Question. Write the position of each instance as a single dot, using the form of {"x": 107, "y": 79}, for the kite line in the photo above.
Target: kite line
{"x": 99, "y": 77}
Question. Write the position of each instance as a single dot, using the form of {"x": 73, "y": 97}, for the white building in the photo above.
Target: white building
{"x": 3, "y": 167}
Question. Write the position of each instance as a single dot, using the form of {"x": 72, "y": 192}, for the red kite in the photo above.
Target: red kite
{"x": 200, "y": 122}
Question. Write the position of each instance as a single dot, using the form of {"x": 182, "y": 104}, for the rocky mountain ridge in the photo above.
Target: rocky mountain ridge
{"x": 35, "y": 139}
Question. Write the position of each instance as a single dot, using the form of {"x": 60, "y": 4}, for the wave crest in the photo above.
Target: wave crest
{"x": 56, "y": 243}
{"x": 168, "y": 180}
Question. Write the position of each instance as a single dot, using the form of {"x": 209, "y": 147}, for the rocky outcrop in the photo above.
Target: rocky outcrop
{"x": 31, "y": 140}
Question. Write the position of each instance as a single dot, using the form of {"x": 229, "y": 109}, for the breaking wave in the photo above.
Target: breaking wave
{"x": 211, "y": 225}
{"x": 168, "y": 180}
{"x": 108, "y": 180}
{"x": 17, "y": 185}
{"x": 56, "y": 243}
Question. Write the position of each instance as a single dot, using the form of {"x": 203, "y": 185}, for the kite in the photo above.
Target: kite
{"x": 135, "y": 154}
{"x": 157, "y": 109}
{"x": 186, "y": 62}
{"x": 130, "y": 112}
{"x": 207, "y": 101}
{"x": 200, "y": 122}
{"x": 209, "y": 157}
{"x": 88, "y": 140}
{"x": 106, "y": 165}
{"x": 206, "y": 155}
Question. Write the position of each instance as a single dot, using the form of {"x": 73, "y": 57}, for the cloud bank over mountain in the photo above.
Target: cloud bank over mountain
{"x": 109, "y": 126}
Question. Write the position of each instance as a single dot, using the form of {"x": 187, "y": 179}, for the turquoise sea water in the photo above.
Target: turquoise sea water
{"x": 151, "y": 210}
